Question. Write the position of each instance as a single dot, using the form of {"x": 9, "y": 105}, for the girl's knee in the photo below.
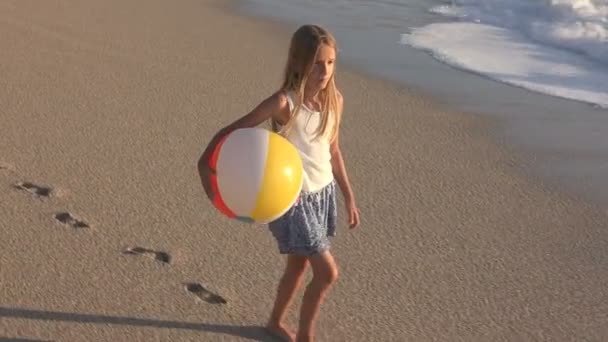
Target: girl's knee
{"x": 323, "y": 284}
{"x": 328, "y": 277}
{"x": 325, "y": 270}
{"x": 332, "y": 276}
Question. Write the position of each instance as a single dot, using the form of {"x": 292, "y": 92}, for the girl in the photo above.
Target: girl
{"x": 306, "y": 110}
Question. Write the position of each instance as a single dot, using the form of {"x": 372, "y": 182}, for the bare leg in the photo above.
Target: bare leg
{"x": 289, "y": 284}
{"x": 325, "y": 274}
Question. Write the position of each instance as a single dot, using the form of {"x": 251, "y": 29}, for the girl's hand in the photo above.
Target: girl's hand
{"x": 353, "y": 214}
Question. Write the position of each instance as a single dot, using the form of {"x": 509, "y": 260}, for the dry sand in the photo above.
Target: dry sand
{"x": 109, "y": 103}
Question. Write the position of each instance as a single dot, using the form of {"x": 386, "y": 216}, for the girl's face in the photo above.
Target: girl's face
{"x": 323, "y": 67}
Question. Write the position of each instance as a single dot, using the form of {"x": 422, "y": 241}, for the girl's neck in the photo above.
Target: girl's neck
{"x": 312, "y": 101}
{"x": 311, "y": 95}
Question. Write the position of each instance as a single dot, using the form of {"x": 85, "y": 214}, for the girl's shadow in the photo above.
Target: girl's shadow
{"x": 254, "y": 333}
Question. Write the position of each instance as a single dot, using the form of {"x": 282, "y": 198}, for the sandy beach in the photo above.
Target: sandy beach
{"x": 106, "y": 107}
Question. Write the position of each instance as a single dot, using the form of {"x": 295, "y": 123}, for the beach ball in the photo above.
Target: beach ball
{"x": 258, "y": 175}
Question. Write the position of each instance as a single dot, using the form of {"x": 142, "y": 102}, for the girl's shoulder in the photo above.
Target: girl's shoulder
{"x": 280, "y": 97}
{"x": 283, "y": 106}
{"x": 279, "y": 101}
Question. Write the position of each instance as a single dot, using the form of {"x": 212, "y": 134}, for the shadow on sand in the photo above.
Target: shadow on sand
{"x": 254, "y": 333}
{"x": 15, "y": 339}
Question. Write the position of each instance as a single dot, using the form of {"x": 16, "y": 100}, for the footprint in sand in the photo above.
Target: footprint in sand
{"x": 70, "y": 220}
{"x": 6, "y": 167}
{"x": 157, "y": 255}
{"x": 39, "y": 191}
{"x": 203, "y": 294}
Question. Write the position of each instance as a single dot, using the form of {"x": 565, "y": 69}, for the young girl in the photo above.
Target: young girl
{"x": 306, "y": 110}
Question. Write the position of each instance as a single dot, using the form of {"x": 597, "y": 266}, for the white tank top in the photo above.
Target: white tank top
{"x": 314, "y": 151}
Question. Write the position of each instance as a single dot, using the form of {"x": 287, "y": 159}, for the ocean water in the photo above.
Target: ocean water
{"x": 540, "y": 66}
{"x": 557, "y": 47}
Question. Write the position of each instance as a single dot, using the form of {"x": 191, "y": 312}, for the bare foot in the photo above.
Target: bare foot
{"x": 281, "y": 331}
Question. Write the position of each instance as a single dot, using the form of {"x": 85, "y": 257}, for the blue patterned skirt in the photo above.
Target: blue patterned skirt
{"x": 306, "y": 227}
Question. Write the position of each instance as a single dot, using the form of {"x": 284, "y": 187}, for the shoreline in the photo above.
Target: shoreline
{"x": 530, "y": 122}
{"x": 114, "y": 102}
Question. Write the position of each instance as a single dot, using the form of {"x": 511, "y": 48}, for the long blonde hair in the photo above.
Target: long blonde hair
{"x": 305, "y": 44}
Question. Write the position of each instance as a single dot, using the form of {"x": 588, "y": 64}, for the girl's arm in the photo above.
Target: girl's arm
{"x": 275, "y": 106}
{"x": 341, "y": 176}
{"x": 339, "y": 171}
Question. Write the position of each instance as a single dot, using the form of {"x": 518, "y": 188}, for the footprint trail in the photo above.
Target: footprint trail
{"x": 70, "y": 220}
{"x": 157, "y": 255}
{"x": 6, "y": 167}
{"x": 203, "y": 294}
{"x": 39, "y": 191}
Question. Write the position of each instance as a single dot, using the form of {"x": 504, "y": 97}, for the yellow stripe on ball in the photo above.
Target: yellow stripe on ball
{"x": 282, "y": 181}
